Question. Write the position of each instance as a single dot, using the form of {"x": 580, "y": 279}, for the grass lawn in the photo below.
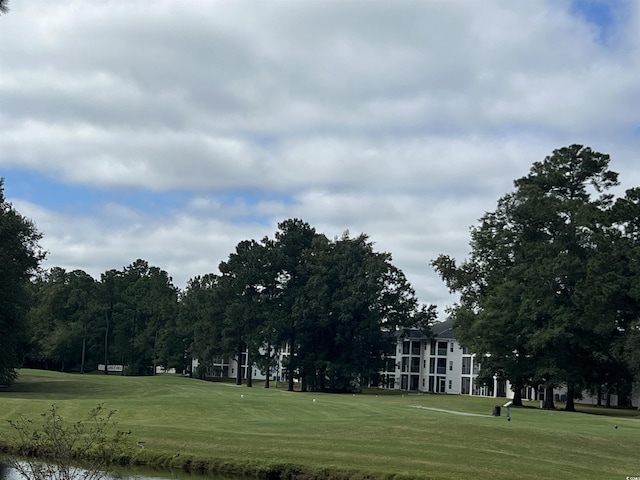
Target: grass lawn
{"x": 380, "y": 435}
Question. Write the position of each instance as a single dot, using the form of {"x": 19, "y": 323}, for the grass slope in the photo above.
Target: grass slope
{"x": 214, "y": 425}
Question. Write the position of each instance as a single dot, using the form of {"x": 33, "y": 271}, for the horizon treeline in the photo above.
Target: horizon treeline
{"x": 333, "y": 302}
{"x": 549, "y": 296}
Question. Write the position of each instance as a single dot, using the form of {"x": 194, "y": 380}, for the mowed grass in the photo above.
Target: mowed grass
{"x": 379, "y": 435}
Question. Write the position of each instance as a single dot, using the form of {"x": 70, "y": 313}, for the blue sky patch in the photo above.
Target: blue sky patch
{"x": 64, "y": 197}
{"x": 88, "y": 200}
{"x": 601, "y": 13}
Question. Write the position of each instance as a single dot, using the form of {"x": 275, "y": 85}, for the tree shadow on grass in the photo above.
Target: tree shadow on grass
{"x": 52, "y": 389}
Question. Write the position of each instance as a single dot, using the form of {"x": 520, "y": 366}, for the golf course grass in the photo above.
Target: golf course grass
{"x": 187, "y": 423}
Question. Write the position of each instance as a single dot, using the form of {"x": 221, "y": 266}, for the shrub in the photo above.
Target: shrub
{"x": 83, "y": 450}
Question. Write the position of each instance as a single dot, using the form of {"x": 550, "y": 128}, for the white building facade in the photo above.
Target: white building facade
{"x": 441, "y": 365}
{"x": 436, "y": 365}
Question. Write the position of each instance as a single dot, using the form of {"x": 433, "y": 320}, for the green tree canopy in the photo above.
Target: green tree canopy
{"x": 354, "y": 295}
{"x": 527, "y": 290}
{"x": 20, "y": 256}
{"x": 333, "y": 304}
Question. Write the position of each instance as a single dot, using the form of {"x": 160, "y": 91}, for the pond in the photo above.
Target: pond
{"x": 9, "y": 473}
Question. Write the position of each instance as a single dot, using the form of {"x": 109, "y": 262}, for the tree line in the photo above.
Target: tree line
{"x": 333, "y": 302}
{"x": 548, "y": 296}
{"x": 550, "y": 293}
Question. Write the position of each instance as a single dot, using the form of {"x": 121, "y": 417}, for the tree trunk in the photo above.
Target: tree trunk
{"x": 106, "y": 344}
{"x": 517, "y": 395}
{"x": 84, "y": 338}
{"x": 608, "y": 399}
{"x": 292, "y": 368}
{"x": 155, "y": 356}
{"x": 239, "y": 362}
{"x": 268, "y": 375}
{"x": 599, "y": 393}
{"x": 249, "y": 371}
{"x": 570, "y": 406}
{"x": 548, "y": 399}
{"x": 84, "y": 348}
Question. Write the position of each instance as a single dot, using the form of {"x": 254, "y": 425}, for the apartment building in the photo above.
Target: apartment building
{"x": 417, "y": 363}
{"x": 436, "y": 364}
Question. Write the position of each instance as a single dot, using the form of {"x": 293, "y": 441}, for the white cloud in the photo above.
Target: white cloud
{"x": 405, "y": 120}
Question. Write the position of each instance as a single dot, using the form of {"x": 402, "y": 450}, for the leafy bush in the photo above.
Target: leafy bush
{"x": 61, "y": 450}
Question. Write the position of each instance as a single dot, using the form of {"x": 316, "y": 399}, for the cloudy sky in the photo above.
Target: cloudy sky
{"x": 171, "y": 130}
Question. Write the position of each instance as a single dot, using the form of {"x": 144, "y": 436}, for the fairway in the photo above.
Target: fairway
{"x": 376, "y": 435}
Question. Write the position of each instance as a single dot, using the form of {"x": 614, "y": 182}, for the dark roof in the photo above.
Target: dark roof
{"x": 443, "y": 329}
{"x": 411, "y": 334}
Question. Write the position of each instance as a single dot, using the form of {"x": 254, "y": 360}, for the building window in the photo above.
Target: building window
{"x": 466, "y": 365}
{"x": 433, "y": 348}
{"x": 432, "y": 365}
{"x": 450, "y": 384}
{"x": 406, "y": 347}
{"x": 442, "y": 365}
{"x": 451, "y": 347}
{"x": 451, "y": 365}
{"x": 465, "y": 386}
{"x": 391, "y": 364}
{"x": 465, "y": 350}
{"x": 415, "y": 365}
{"x": 442, "y": 349}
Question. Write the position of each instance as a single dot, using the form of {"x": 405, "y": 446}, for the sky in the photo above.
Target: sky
{"x": 172, "y": 130}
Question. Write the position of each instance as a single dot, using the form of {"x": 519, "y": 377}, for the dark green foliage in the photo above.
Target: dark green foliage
{"x": 545, "y": 291}
{"x": 329, "y": 301}
{"x": 63, "y": 319}
{"x": 20, "y": 255}
{"x": 201, "y": 314}
{"x": 145, "y": 320}
{"x": 353, "y": 295}
{"x": 129, "y": 317}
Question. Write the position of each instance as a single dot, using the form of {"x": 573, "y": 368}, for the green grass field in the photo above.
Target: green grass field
{"x": 368, "y": 435}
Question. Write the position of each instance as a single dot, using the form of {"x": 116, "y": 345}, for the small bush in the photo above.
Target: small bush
{"x": 65, "y": 451}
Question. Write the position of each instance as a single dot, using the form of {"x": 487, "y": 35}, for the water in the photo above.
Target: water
{"x": 9, "y": 473}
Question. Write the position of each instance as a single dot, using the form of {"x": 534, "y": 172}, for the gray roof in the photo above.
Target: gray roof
{"x": 411, "y": 334}
{"x": 443, "y": 329}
